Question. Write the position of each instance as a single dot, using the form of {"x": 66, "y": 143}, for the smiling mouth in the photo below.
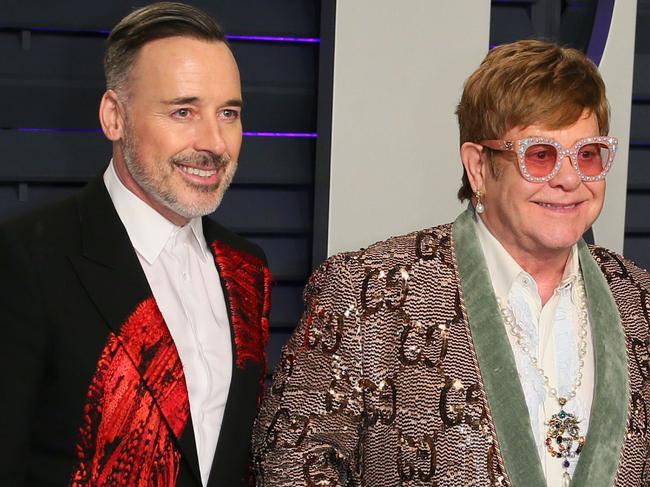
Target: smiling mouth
{"x": 552, "y": 206}
{"x": 205, "y": 173}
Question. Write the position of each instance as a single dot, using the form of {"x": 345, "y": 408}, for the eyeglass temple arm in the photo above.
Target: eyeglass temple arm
{"x": 497, "y": 144}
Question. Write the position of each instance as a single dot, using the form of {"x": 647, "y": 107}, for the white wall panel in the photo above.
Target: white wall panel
{"x": 616, "y": 67}
{"x": 398, "y": 74}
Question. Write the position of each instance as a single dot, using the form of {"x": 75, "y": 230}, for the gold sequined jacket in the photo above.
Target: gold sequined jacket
{"x": 401, "y": 374}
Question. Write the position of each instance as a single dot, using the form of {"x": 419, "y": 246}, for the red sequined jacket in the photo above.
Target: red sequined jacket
{"x": 94, "y": 390}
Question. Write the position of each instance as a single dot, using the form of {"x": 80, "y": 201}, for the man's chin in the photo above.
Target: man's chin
{"x": 190, "y": 200}
{"x": 203, "y": 188}
{"x": 191, "y": 210}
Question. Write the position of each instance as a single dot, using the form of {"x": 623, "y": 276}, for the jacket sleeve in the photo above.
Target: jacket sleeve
{"x": 22, "y": 349}
{"x": 308, "y": 429}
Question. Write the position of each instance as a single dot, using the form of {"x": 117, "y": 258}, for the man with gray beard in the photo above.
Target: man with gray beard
{"x": 133, "y": 328}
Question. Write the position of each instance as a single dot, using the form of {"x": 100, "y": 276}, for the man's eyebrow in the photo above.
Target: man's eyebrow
{"x": 190, "y": 100}
{"x": 182, "y": 100}
{"x": 235, "y": 102}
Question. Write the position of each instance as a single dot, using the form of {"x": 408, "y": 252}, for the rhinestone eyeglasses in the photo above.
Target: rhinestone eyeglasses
{"x": 540, "y": 158}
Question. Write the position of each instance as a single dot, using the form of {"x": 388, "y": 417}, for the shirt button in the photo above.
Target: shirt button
{"x": 185, "y": 276}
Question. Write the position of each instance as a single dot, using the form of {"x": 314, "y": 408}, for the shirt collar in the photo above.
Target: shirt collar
{"x": 148, "y": 230}
{"x": 504, "y": 270}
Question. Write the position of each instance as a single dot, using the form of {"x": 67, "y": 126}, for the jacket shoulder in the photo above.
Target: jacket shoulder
{"x": 50, "y": 225}
{"x": 401, "y": 250}
{"x": 408, "y": 242}
{"x": 615, "y": 265}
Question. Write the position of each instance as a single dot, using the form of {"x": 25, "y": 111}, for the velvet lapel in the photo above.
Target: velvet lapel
{"x": 600, "y": 457}
{"x": 497, "y": 365}
{"x": 111, "y": 274}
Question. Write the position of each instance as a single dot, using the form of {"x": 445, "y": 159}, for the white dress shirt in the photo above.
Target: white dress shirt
{"x": 552, "y": 333}
{"x": 185, "y": 282}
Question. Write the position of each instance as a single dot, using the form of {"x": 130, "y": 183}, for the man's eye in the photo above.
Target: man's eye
{"x": 229, "y": 114}
{"x": 182, "y": 113}
{"x": 539, "y": 155}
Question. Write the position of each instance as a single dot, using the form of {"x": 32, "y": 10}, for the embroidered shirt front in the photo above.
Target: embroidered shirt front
{"x": 552, "y": 334}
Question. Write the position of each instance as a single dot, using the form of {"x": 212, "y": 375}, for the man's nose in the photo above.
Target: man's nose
{"x": 567, "y": 177}
{"x": 209, "y": 137}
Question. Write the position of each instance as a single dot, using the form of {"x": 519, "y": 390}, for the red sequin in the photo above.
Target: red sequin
{"x": 136, "y": 402}
{"x": 248, "y": 282}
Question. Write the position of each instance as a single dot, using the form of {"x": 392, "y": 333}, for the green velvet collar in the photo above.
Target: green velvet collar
{"x": 599, "y": 458}
{"x": 608, "y": 420}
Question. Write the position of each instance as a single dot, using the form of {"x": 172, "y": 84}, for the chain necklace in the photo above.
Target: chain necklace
{"x": 564, "y": 440}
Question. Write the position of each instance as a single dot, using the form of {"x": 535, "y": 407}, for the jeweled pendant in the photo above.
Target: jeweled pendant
{"x": 566, "y": 479}
{"x": 563, "y": 438}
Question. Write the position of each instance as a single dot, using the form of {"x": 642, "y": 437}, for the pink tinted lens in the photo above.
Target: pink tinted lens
{"x": 592, "y": 158}
{"x": 540, "y": 159}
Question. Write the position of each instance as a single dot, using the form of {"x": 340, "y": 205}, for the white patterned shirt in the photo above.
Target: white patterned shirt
{"x": 552, "y": 334}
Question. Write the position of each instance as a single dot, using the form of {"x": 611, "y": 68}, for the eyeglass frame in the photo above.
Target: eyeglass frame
{"x": 520, "y": 146}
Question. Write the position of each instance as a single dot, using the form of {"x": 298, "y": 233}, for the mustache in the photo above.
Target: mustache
{"x": 204, "y": 160}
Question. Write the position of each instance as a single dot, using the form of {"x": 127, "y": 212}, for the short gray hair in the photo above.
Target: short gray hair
{"x": 155, "y": 21}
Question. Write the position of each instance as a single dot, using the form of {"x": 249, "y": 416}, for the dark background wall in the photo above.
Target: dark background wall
{"x": 637, "y": 218}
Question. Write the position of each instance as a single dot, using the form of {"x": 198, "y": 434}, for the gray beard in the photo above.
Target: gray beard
{"x": 166, "y": 196}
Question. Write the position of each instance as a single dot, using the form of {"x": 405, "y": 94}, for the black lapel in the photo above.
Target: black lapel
{"x": 110, "y": 271}
{"x": 108, "y": 266}
{"x": 187, "y": 442}
{"x": 230, "y": 465}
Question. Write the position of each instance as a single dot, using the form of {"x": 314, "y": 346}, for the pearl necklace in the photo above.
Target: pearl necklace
{"x": 563, "y": 428}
